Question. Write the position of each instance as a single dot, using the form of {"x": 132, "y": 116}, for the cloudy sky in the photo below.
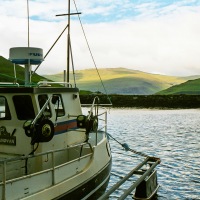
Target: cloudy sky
{"x": 156, "y": 36}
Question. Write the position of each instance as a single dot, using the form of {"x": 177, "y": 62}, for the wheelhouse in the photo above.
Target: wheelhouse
{"x": 19, "y": 105}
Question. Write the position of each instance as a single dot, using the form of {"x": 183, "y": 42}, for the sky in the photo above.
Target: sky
{"x": 154, "y": 36}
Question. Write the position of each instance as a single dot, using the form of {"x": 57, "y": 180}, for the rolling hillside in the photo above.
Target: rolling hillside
{"x": 7, "y": 72}
{"x": 188, "y": 87}
{"x": 115, "y": 80}
{"x": 123, "y": 81}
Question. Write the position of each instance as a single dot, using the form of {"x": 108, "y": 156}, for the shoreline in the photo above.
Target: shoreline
{"x": 147, "y": 101}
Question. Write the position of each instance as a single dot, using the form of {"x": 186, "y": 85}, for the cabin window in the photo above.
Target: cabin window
{"x": 42, "y": 99}
{"x": 4, "y": 109}
{"x": 24, "y": 107}
{"x": 58, "y": 105}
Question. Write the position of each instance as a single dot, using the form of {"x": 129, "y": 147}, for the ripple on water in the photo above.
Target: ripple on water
{"x": 172, "y": 135}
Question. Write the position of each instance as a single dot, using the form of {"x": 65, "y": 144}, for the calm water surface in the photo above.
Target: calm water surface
{"x": 172, "y": 135}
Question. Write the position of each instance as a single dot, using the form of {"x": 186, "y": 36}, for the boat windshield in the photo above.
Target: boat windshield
{"x": 4, "y": 109}
{"x": 24, "y": 107}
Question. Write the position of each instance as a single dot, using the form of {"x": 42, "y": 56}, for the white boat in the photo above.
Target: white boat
{"x": 48, "y": 148}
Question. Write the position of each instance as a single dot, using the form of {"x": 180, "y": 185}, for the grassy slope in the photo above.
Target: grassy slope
{"x": 122, "y": 81}
{"x": 189, "y": 87}
{"x": 7, "y": 72}
{"x": 116, "y": 80}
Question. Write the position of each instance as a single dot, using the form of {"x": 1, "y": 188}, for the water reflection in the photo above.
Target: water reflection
{"x": 172, "y": 135}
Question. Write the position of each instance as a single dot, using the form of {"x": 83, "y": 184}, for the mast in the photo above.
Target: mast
{"x": 28, "y": 65}
{"x": 68, "y": 43}
{"x": 28, "y": 23}
{"x": 26, "y": 56}
{"x": 68, "y": 37}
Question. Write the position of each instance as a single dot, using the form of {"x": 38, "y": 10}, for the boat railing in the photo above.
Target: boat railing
{"x": 49, "y": 83}
{"x": 53, "y": 167}
{"x": 102, "y": 126}
{"x": 9, "y": 84}
{"x": 101, "y": 115}
{"x": 104, "y": 120}
{"x": 94, "y": 110}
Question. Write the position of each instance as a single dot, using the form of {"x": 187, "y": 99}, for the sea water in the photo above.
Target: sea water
{"x": 171, "y": 135}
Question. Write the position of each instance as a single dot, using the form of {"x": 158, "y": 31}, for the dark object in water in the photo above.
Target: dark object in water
{"x": 148, "y": 187}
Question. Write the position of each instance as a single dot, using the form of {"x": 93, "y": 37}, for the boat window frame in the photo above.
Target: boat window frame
{"x": 24, "y": 107}
{"x": 47, "y": 112}
{"x": 6, "y": 109}
{"x": 61, "y": 111}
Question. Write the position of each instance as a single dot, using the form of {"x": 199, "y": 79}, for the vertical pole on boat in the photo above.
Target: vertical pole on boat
{"x": 28, "y": 21}
{"x": 68, "y": 42}
{"x": 64, "y": 78}
{"x": 27, "y": 73}
{"x": 4, "y": 181}
{"x": 28, "y": 66}
{"x": 15, "y": 75}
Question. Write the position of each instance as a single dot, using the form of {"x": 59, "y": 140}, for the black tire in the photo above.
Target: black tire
{"x": 45, "y": 131}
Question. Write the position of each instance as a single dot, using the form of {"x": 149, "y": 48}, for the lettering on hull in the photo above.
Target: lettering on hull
{"x": 6, "y": 138}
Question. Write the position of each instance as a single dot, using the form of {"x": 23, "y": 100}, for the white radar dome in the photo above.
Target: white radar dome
{"x": 26, "y": 55}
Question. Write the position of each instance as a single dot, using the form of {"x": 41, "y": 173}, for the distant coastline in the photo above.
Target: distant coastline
{"x": 147, "y": 101}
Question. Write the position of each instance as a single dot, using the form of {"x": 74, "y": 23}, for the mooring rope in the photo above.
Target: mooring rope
{"x": 91, "y": 54}
{"x": 127, "y": 148}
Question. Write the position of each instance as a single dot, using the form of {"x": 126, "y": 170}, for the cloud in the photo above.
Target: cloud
{"x": 152, "y": 37}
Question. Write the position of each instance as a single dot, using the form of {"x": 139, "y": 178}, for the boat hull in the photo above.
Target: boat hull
{"x": 91, "y": 189}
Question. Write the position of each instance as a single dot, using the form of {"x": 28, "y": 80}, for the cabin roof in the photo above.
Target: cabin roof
{"x": 36, "y": 90}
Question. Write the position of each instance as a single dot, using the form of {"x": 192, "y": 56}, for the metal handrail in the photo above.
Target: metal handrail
{"x": 9, "y": 83}
{"x": 101, "y": 119}
{"x": 52, "y": 152}
{"x": 45, "y": 83}
{"x": 45, "y": 153}
{"x": 130, "y": 174}
{"x": 88, "y": 105}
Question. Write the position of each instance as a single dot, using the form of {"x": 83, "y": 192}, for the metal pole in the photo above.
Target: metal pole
{"x": 128, "y": 191}
{"x": 118, "y": 184}
{"x": 4, "y": 181}
{"x": 68, "y": 42}
{"x": 28, "y": 21}
{"x": 50, "y": 48}
{"x": 15, "y": 73}
{"x": 28, "y": 66}
{"x": 64, "y": 74}
{"x": 53, "y": 168}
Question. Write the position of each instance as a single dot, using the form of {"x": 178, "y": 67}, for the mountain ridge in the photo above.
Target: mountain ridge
{"x": 123, "y": 81}
{"x": 116, "y": 80}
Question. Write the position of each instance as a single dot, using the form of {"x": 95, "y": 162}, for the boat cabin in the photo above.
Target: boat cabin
{"x": 19, "y": 105}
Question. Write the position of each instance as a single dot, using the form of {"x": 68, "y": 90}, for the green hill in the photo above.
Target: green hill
{"x": 188, "y": 87}
{"x": 115, "y": 80}
{"x": 7, "y": 72}
{"x": 122, "y": 81}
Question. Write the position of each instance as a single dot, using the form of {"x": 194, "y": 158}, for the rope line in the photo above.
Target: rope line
{"x": 50, "y": 49}
{"x": 126, "y": 147}
{"x": 91, "y": 53}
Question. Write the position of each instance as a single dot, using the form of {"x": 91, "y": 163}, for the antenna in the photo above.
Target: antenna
{"x": 68, "y": 42}
{"x": 26, "y": 56}
{"x": 28, "y": 22}
{"x": 68, "y": 37}
{"x": 28, "y": 65}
